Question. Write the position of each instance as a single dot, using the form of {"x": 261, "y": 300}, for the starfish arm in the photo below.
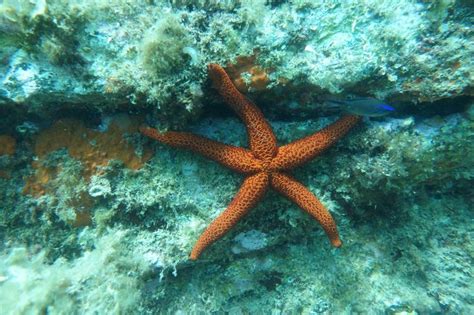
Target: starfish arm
{"x": 252, "y": 190}
{"x": 307, "y": 201}
{"x": 235, "y": 158}
{"x": 305, "y": 149}
{"x": 262, "y": 140}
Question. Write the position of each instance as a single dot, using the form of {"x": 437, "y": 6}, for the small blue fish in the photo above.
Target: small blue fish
{"x": 362, "y": 106}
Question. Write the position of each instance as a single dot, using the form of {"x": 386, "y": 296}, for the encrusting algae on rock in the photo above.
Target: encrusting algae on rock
{"x": 95, "y": 149}
{"x": 7, "y": 145}
{"x": 247, "y": 75}
{"x": 7, "y": 148}
{"x": 92, "y": 148}
{"x": 83, "y": 232}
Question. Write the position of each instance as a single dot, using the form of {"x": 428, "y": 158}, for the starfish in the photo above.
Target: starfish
{"x": 264, "y": 165}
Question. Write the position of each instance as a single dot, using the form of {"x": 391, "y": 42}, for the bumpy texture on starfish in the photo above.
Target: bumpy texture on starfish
{"x": 265, "y": 164}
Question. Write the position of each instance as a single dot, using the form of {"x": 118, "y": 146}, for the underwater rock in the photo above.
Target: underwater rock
{"x": 64, "y": 55}
{"x": 249, "y": 241}
{"x": 96, "y": 220}
{"x": 7, "y": 145}
{"x": 99, "y": 187}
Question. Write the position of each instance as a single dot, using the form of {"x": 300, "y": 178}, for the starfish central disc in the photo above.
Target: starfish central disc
{"x": 264, "y": 164}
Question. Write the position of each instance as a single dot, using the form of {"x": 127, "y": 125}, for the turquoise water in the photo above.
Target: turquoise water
{"x": 97, "y": 218}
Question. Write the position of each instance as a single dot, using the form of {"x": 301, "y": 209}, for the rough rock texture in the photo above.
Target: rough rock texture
{"x": 95, "y": 224}
{"x": 397, "y": 188}
{"x": 136, "y": 55}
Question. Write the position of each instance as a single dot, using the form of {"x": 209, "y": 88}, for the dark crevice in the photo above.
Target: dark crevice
{"x": 14, "y": 115}
{"x": 442, "y": 107}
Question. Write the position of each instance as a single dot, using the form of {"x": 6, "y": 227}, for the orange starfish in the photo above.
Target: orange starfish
{"x": 265, "y": 164}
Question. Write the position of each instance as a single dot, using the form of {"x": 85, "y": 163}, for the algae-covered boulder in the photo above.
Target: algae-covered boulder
{"x": 152, "y": 55}
{"x": 97, "y": 219}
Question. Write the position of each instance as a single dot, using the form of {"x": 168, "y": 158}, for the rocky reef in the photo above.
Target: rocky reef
{"x": 96, "y": 219}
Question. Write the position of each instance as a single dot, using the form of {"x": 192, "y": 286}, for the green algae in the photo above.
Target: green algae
{"x": 398, "y": 187}
{"x": 401, "y": 229}
{"x": 153, "y": 56}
